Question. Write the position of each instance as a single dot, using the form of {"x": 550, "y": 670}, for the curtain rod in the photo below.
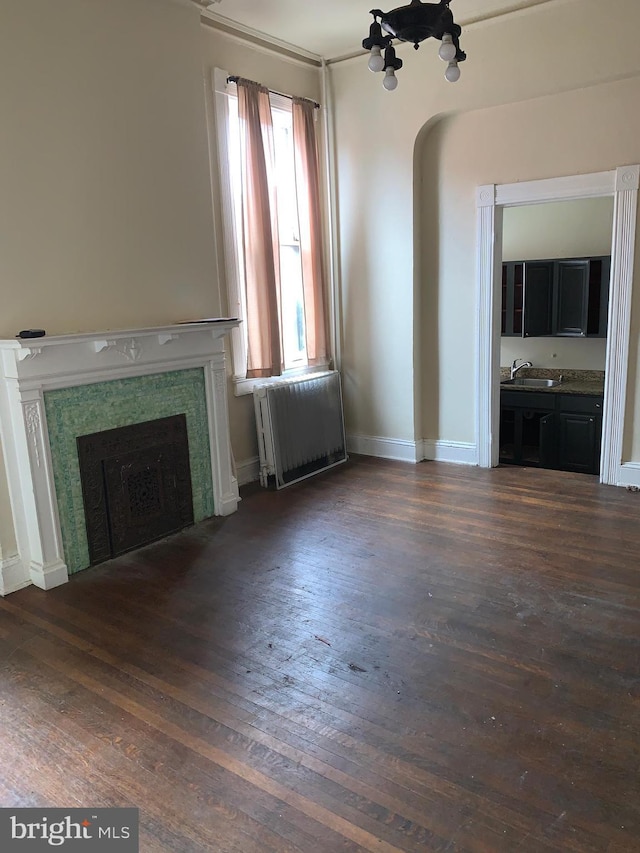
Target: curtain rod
{"x": 233, "y": 78}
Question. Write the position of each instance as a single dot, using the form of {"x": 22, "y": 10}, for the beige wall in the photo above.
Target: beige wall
{"x": 567, "y": 229}
{"x": 105, "y": 209}
{"x": 281, "y": 75}
{"x": 563, "y": 229}
{"x": 531, "y": 104}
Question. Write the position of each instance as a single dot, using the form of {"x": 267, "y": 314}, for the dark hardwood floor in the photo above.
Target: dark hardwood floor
{"x": 384, "y": 658}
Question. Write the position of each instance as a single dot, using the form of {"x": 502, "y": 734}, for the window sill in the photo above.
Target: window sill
{"x": 241, "y": 387}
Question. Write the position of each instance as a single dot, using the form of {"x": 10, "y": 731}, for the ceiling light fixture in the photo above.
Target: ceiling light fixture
{"x": 413, "y": 23}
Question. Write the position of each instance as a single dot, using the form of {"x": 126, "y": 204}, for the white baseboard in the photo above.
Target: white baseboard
{"x": 457, "y": 452}
{"x": 384, "y": 448}
{"x": 629, "y": 474}
{"x": 13, "y": 575}
{"x": 248, "y": 471}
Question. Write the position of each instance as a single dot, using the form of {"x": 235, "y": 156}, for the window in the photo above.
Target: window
{"x": 297, "y": 306}
{"x": 292, "y": 307}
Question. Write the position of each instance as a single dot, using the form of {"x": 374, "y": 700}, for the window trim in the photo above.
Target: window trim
{"x": 246, "y": 386}
{"x": 232, "y": 272}
{"x": 222, "y": 89}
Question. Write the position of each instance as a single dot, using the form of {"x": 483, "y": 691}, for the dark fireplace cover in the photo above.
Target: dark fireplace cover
{"x": 136, "y": 485}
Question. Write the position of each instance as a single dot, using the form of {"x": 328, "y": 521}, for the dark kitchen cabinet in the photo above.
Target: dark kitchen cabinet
{"x": 512, "y": 299}
{"x": 560, "y": 431}
{"x": 581, "y": 297}
{"x": 571, "y": 298}
{"x": 527, "y": 429}
{"x": 527, "y": 298}
{"x": 567, "y": 298}
{"x": 579, "y": 433}
{"x": 538, "y": 298}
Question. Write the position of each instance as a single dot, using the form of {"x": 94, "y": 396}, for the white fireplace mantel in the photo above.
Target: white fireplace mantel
{"x": 30, "y": 367}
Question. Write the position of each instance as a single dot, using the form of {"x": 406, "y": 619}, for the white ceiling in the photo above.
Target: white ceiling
{"x": 333, "y": 28}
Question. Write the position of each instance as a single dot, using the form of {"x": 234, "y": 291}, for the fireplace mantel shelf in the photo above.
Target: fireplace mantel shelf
{"x": 218, "y": 326}
{"x": 31, "y": 367}
{"x": 54, "y": 356}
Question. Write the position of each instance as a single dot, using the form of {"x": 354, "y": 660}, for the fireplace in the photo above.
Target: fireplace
{"x": 136, "y": 485}
{"x": 54, "y": 390}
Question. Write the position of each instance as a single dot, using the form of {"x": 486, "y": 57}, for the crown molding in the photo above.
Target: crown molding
{"x": 258, "y": 39}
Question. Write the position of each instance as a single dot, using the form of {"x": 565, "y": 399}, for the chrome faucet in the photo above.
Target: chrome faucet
{"x": 515, "y": 367}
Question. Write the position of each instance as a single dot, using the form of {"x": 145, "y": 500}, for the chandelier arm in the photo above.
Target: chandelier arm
{"x": 455, "y": 33}
{"x": 375, "y": 38}
{"x": 391, "y": 60}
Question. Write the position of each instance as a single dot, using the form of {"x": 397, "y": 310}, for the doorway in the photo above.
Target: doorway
{"x": 554, "y": 303}
{"x": 622, "y": 184}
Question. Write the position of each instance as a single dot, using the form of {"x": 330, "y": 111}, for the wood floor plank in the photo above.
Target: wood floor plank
{"x": 388, "y": 657}
{"x": 202, "y": 674}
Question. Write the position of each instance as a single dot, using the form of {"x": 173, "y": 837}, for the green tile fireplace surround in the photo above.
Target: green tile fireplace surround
{"x": 85, "y": 409}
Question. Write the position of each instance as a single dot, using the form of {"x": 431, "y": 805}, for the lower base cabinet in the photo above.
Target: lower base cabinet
{"x": 559, "y": 431}
{"x": 527, "y": 429}
{"x": 579, "y": 428}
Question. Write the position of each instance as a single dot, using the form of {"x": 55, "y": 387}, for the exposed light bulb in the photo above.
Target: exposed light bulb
{"x": 447, "y": 50}
{"x": 376, "y": 62}
{"x": 390, "y": 81}
{"x": 453, "y": 72}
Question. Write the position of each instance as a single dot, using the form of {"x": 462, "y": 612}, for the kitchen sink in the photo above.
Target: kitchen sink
{"x": 522, "y": 382}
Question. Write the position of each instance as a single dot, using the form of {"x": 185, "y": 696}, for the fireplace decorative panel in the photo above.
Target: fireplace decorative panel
{"x": 136, "y": 485}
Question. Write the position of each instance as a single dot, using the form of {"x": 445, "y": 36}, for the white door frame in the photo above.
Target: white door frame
{"x": 621, "y": 183}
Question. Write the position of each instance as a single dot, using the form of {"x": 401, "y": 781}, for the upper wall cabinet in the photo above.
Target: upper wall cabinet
{"x": 565, "y": 297}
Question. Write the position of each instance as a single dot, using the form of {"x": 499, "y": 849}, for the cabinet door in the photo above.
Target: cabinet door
{"x": 571, "y": 298}
{"x": 538, "y": 291}
{"x": 598, "y": 308}
{"x": 579, "y": 442}
{"x": 548, "y": 441}
{"x": 509, "y": 434}
{"x": 504, "y": 315}
{"x": 536, "y": 429}
{"x": 512, "y": 299}
{"x": 526, "y": 430}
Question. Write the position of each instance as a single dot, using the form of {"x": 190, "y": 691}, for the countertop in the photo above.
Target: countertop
{"x": 573, "y": 381}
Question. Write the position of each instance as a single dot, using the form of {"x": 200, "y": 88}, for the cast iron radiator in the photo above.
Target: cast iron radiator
{"x": 300, "y": 427}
